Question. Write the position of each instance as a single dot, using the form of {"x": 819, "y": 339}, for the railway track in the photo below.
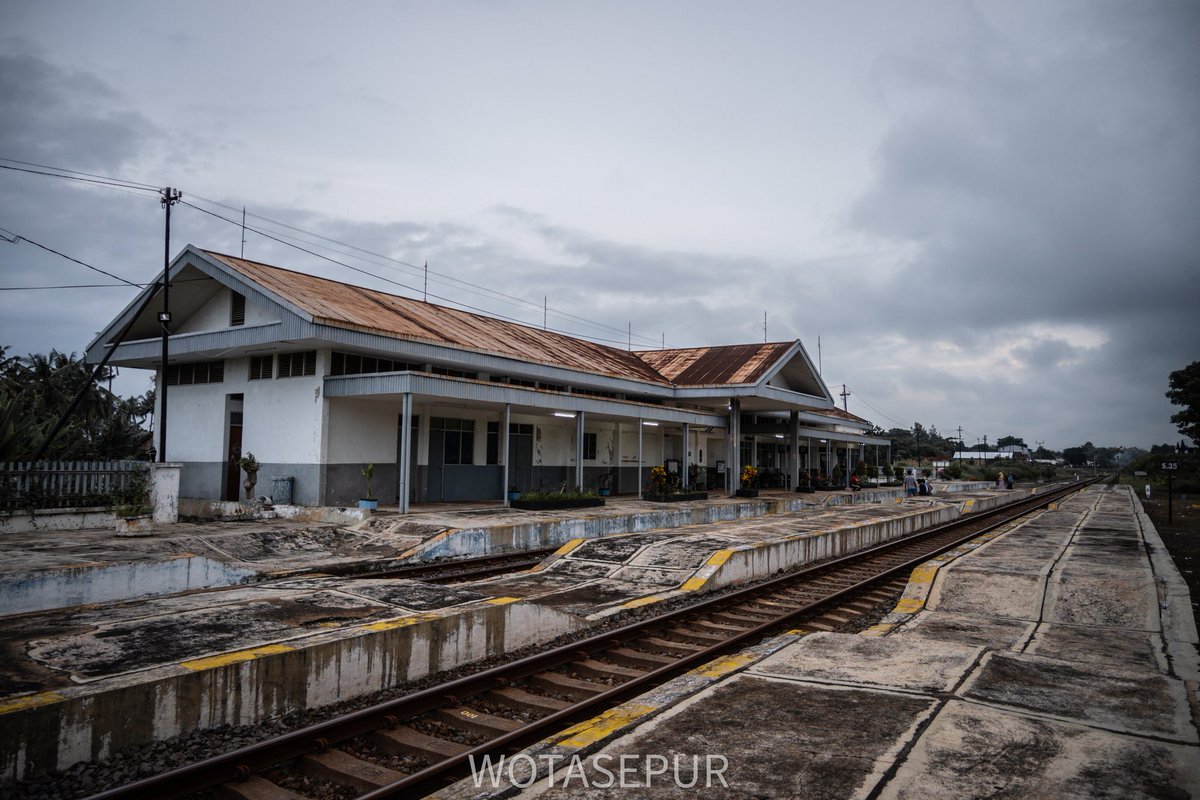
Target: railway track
{"x": 464, "y": 569}
{"x": 416, "y": 744}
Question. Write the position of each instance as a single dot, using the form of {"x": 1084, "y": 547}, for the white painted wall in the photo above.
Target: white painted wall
{"x": 196, "y": 417}
{"x": 652, "y": 445}
{"x": 362, "y": 431}
{"x": 214, "y": 315}
{"x": 281, "y": 417}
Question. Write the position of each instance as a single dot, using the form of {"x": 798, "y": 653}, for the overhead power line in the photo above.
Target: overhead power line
{"x": 393, "y": 264}
{"x": 76, "y": 177}
{"x": 18, "y": 238}
{"x": 361, "y": 271}
{"x": 399, "y": 265}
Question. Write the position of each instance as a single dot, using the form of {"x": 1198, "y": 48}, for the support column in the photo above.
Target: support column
{"x": 733, "y": 471}
{"x": 405, "y": 451}
{"x": 687, "y": 455}
{"x": 579, "y": 451}
{"x": 794, "y": 450}
{"x": 640, "y": 426}
{"x": 504, "y": 424}
{"x": 616, "y": 465}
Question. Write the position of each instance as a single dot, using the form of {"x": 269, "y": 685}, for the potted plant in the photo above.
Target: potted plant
{"x": 250, "y": 466}
{"x": 131, "y": 504}
{"x": 805, "y": 485}
{"x": 604, "y": 484}
{"x": 748, "y": 477}
{"x": 369, "y": 501}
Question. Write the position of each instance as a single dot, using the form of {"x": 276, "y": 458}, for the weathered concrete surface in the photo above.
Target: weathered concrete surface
{"x": 983, "y": 683}
{"x": 241, "y": 654}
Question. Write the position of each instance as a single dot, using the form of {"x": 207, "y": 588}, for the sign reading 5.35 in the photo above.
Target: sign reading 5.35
{"x": 1170, "y": 466}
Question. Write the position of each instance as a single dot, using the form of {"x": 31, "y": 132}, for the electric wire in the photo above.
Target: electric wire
{"x": 69, "y": 286}
{"x": 77, "y": 178}
{"x": 419, "y": 271}
{"x": 361, "y": 271}
{"x": 79, "y": 172}
{"x": 20, "y": 238}
{"x": 132, "y": 187}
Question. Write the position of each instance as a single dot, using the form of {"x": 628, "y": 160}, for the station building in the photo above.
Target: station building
{"x": 318, "y": 378}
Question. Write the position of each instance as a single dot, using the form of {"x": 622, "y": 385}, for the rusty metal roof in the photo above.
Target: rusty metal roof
{"x": 836, "y": 412}
{"x": 715, "y": 366}
{"x": 345, "y": 306}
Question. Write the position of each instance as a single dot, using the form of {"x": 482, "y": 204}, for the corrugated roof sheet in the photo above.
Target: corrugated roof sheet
{"x": 346, "y": 306}
{"x": 713, "y": 366}
{"x": 836, "y": 412}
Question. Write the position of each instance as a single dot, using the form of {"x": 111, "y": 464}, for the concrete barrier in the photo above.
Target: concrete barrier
{"x": 54, "y": 729}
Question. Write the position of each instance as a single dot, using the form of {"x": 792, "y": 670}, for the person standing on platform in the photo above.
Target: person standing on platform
{"x": 1000, "y": 481}
{"x": 1008, "y": 481}
{"x": 910, "y": 483}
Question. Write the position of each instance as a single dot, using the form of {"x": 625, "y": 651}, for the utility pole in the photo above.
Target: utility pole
{"x": 169, "y": 198}
{"x": 960, "y": 443}
{"x": 764, "y": 327}
{"x": 917, "y": 431}
{"x": 844, "y": 395}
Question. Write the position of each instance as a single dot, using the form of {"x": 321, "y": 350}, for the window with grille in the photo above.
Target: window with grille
{"x": 454, "y": 373}
{"x": 357, "y": 364}
{"x": 589, "y": 446}
{"x": 237, "y": 309}
{"x": 294, "y": 365}
{"x": 493, "y": 443}
{"x": 194, "y": 373}
{"x": 458, "y": 439}
{"x": 262, "y": 367}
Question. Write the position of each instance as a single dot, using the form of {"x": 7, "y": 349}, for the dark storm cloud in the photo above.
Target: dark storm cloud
{"x": 54, "y": 115}
{"x": 1041, "y": 180}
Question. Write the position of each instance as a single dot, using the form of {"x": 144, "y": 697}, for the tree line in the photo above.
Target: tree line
{"x": 35, "y": 391}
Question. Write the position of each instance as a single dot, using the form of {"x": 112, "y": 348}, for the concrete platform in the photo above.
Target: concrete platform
{"x": 84, "y": 681}
{"x": 1057, "y": 659}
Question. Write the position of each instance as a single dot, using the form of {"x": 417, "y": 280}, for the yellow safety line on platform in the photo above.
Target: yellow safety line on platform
{"x": 597, "y": 728}
{"x": 30, "y": 701}
{"x": 559, "y": 553}
{"x": 642, "y": 601}
{"x": 569, "y": 546}
{"x": 233, "y": 658}
{"x": 503, "y": 601}
{"x": 397, "y": 622}
{"x": 920, "y": 582}
{"x": 725, "y": 665}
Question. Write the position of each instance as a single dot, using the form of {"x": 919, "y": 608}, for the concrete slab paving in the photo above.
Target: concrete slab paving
{"x": 824, "y": 743}
{"x": 1150, "y": 704}
{"x": 979, "y": 694}
{"x": 894, "y": 663}
{"x": 976, "y": 751}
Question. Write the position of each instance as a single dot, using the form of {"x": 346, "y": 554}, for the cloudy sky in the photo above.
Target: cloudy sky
{"x": 989, "y": 213}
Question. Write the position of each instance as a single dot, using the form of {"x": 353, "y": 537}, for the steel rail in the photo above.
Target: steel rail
{"x": 245, "y": 761}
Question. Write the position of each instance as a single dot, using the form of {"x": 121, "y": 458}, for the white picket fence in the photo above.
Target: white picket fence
{"x": 26, "y": 485}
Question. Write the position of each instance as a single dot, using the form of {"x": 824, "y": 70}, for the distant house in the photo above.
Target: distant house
{"x": 318, "y": 378}
{"x": 982, "y": 455}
